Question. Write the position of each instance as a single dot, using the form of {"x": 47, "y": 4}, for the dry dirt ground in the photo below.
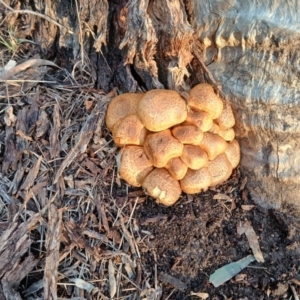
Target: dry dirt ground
{"x": 71, "y": 229}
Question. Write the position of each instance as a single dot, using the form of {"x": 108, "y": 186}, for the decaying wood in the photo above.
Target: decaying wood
{"x": 52, "y": 244}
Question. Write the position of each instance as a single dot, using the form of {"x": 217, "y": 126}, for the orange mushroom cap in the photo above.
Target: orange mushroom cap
{"x": 161, "y": 146}
{"x": 121, "y": 106}
{"x": 203, "y": 97}
{"x": 160, "y": 185}
{"x": 129, "y": 131}
{"x": 135, "y": 165}
{"x": 161, "y": 109}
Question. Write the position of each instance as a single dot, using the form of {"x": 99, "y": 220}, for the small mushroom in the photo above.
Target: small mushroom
{"x": 227, "y": 134}
{"x": 160, "y": 185}
{"x": 135, "y": 165}
{"x": 233, "y": 153}
{"x": 196, "y": 181}
{"x": 161, "y": 146}
{"x": 188, "y": 134}
{"x": 201, "y": 119}
{"x": 121, "y": 106}
{"x": 213, "y": 145}
{"x": 220, "y": 169}
{"x": 203, "y": 97}
{"x": 194, "y": 157}
{"x": 129, "y": 131}
{"x": 177, "y": 168}
{"x": 226, "y": 119}
{"x": 161, "y": 109}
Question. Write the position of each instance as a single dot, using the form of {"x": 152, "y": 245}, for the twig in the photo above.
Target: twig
{"x": 294, "y": 292}
{"x": 25, "y": 11}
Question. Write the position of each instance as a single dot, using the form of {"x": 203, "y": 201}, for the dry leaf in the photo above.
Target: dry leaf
{"x": 247, "y": 207}
{"x": 9, "y": 117}
{"x": 222, "y": 197}
{"x": 200, "y": 295}
{"x": 82, "y": 284}
{"x": 252, "y": 239}
{"x": 112, "y": 279}
{"x": 21, "y": 134}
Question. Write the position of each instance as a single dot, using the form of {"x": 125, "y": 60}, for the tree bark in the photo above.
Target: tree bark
{"x": 250, "y": 48}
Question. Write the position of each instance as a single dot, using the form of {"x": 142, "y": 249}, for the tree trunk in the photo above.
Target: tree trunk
{"x": 250, "y": 48}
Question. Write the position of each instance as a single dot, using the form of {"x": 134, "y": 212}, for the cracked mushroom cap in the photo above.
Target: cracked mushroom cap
{"x": 160, "y": 185}
{"x": 213, "y": 145}
{"x": 201, "y": 119}
{"x": 121, "y": 106}
{"x": 177, "y": 168}
{"x": 220, "y": 169}
{"x": 203, "y": 97}
{"x": 233, "y": 153}
{"x": 129, "y": 131}
{"x": 226, "y": 119}
{"x": 194, "y": 157}
{"x": 135, "y": 165}
{"x": 188, "y": 134}
{"x": 161, "y": 146}
{"x": 196, "y": 181}
{"x": 161, "y": 109}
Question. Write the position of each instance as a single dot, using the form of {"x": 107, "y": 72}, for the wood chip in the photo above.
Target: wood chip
{"x": 52, "y": 245}
{"x": 28, "y": 183}
{"x": 54, "y": 133}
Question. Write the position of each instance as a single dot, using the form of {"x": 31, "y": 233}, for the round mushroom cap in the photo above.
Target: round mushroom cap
{"x": 121, "y": 106}
{"x": 177, "y": 168}
{"x": 194, "y": 157}
{"x": 227, "y": 134}
{"x": 203, "y": 97}
{"x": 226, "y": 119}
{"x": 135, "y": 165}
{"x": 160, "y": 185}
{"x": 195, "y": 181}
{"x": 233, "y": 153}
{"x": 220, "y": 169}
{"x": 161, "y": 146}
{"x": 129, "y": 131}
{"x": 201, "y": 119}
{"x": 213, "y": 145}
{"x": 188, "y": 134}
{"x": 161, "y": 109}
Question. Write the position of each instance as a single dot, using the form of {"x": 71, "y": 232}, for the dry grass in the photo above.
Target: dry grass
{"x": 63, "y": 232}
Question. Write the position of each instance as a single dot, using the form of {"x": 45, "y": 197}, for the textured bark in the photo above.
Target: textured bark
{"x": 250, "y": 47}
{"x": 252, "y": 50}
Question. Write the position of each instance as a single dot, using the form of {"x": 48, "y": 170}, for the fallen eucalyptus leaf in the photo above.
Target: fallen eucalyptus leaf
{"x": 228, "y": 271}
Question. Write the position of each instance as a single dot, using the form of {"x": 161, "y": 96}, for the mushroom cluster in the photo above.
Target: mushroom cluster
{"x": 169, "y": 146}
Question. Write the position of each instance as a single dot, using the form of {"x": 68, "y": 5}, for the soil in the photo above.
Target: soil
{"x": 199, "y": 235}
